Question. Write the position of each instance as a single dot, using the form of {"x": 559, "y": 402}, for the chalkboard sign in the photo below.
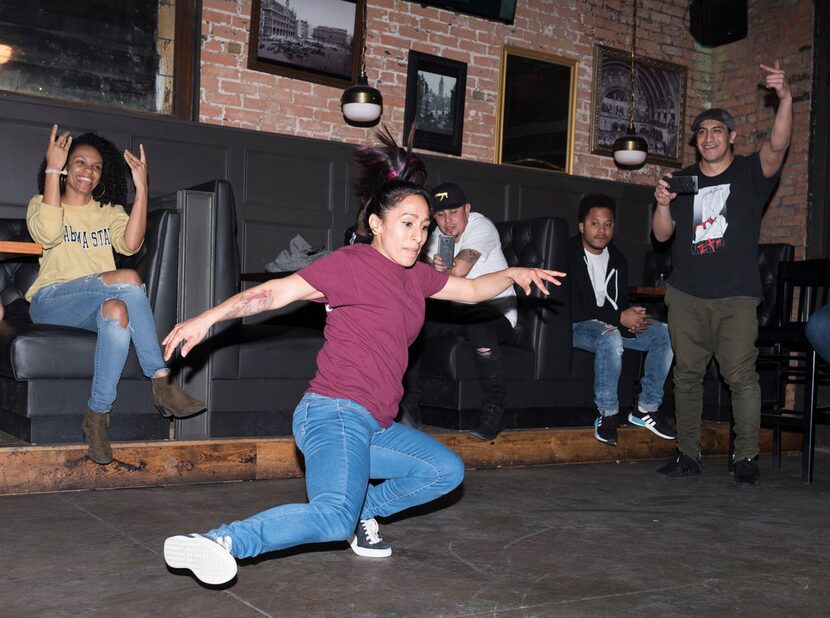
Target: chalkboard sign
{"x": 96, "y": 51}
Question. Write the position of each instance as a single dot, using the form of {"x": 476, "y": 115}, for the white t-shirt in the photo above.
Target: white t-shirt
{"x": 597, "y": 267}
{"x": 482, "y": 236}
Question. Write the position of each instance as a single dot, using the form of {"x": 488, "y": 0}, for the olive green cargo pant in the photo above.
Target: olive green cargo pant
{"x": 726, "y": 329}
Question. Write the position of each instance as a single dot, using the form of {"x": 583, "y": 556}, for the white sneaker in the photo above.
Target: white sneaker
{"x": 210, "y": 560}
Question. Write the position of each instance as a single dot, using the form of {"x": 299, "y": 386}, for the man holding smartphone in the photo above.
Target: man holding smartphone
{"x": 476, "y": 250}
{"x": 604, "y": 324}
{"x": 715, "y": 287}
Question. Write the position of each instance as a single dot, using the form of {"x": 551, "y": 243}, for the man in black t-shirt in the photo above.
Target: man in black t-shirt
{"x": 715, "y": 287}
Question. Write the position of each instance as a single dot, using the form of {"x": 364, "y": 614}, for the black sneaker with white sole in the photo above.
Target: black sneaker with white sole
{"x": 605, "y": 429}
{"x": 367, "y": 541}
{"x": 209, "y": 559}
{"x": 654, "y": 422}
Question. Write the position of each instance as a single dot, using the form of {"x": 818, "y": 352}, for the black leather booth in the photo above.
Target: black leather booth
{"x": 46, "y": 371}
{"x": 257, "y": 372}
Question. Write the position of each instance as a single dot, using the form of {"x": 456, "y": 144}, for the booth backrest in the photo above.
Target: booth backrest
{"x": 543, "y": 321}
{"x": 156, "y": 263}
{"x": 18, "y": 272}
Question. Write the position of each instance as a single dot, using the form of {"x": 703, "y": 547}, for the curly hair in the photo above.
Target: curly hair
{"x": 387, "y": 174}
{"x": 114, "y": 172}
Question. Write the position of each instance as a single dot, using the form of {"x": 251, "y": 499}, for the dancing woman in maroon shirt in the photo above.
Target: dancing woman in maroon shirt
{"x": 374, "y": 294}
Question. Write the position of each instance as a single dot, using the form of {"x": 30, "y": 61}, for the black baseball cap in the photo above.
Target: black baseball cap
{"x": 447, "y": 195}
{"x": 716, "y": 113}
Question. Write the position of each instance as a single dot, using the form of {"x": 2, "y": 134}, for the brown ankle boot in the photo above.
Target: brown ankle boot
{"x": 172, "y": 400}
{"x": 95, "y": 434}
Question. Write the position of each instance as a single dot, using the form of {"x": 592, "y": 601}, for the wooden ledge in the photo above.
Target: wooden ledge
{"x": 32, "y": 469}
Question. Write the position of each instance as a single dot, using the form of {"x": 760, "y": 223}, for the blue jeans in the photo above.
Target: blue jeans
{"x": 608, "y": 349}
{"x": 344, "y": 447}
{"x": 78, "y": 303}
{"x": 818, "y": 332}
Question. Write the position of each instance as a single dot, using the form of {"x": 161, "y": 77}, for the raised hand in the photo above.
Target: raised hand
{"x": 776, "y": 79}
{"x": 438, "y": 263}
{"x": 57, "y": 151}
{"x": 524, "y": 277}
{"x": 662, "y": 194}
{"x": 138, "y": 168}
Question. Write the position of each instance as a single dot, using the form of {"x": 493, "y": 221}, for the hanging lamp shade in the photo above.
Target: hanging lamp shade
{"x": 630, "y": 149}
{"x": 361, "y": 103}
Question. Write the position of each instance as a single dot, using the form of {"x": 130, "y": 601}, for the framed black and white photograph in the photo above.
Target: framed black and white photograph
{"x": 660, "y": 104}
{"x": 435, "y": 90}
{"x": 313, "y": 40}
{"x": 537, "y": 110}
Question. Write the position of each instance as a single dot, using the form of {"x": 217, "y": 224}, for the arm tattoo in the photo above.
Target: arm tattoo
{"x": 251, "y": 303}
{"x": 468, "y": 255}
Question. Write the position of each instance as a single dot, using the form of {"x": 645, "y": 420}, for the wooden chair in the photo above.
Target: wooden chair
{"x": 803, "y": 287}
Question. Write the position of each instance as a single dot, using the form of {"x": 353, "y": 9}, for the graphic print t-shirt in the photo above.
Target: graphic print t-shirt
{"x": 715, "y": 248}
{"x": 710, "y": 219}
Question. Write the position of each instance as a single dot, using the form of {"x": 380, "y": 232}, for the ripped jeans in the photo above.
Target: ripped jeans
{"x": 78, "y": 303}
{"x": 608, "y": 348}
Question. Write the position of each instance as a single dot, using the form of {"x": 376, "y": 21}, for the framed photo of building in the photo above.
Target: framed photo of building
{"x": 435, "y": 89}
{"x": 537, "y": 110}
{"x": 313, "y": 40}
{"x": 660, "y": 108}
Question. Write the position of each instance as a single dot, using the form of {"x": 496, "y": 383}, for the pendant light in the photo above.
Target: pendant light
{"x": 362, "y": 104}
{"x": 631, "y": 150}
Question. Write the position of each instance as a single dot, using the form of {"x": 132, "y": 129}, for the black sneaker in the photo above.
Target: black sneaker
{"x": 746, "y": 472}
{"x": 367, "y": 541}
{"x": 605, "y": 429}
{"x": 654, "y": 422}
{"x": 490, "y": 424}
{"x": 683, "y": 465}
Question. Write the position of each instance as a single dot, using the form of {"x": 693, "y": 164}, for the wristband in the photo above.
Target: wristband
{"x": 54, "y": 170}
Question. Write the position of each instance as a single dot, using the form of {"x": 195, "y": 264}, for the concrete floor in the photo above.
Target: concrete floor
{"x": 569, "y": 540}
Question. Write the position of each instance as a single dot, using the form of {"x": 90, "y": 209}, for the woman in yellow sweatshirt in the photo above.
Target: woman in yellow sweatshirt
{"x": 79, "y": 219}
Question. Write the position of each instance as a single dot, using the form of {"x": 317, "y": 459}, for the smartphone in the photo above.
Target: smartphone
{"x": 682, "y": 184}
{"x": 446, "y": 249}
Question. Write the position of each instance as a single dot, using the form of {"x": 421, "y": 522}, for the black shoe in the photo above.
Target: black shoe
{"x": 605, "y": 429}
{"x": 746, "y": 472}
{"x": 490, "y": 424}
{"x": 654, "y": 422}
{"x": 682, "y": 465}
{"x": 367, "y": 541}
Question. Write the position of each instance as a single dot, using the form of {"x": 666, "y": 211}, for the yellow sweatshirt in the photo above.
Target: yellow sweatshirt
{"x": 77, "y": 240}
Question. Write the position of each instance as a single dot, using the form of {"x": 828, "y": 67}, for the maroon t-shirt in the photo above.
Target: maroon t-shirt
{"x": 375, "y": 309}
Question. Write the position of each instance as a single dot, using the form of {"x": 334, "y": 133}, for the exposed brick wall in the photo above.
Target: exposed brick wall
{"x": 780, "y": 29}
{"x": 728, "y": 76}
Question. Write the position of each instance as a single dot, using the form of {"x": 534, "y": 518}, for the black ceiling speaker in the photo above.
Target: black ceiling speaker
{"x": 718, "y": 22}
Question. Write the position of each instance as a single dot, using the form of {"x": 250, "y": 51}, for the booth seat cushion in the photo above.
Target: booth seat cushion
{"x": 44, "y": 351}
{"x": 46, "y": 370}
